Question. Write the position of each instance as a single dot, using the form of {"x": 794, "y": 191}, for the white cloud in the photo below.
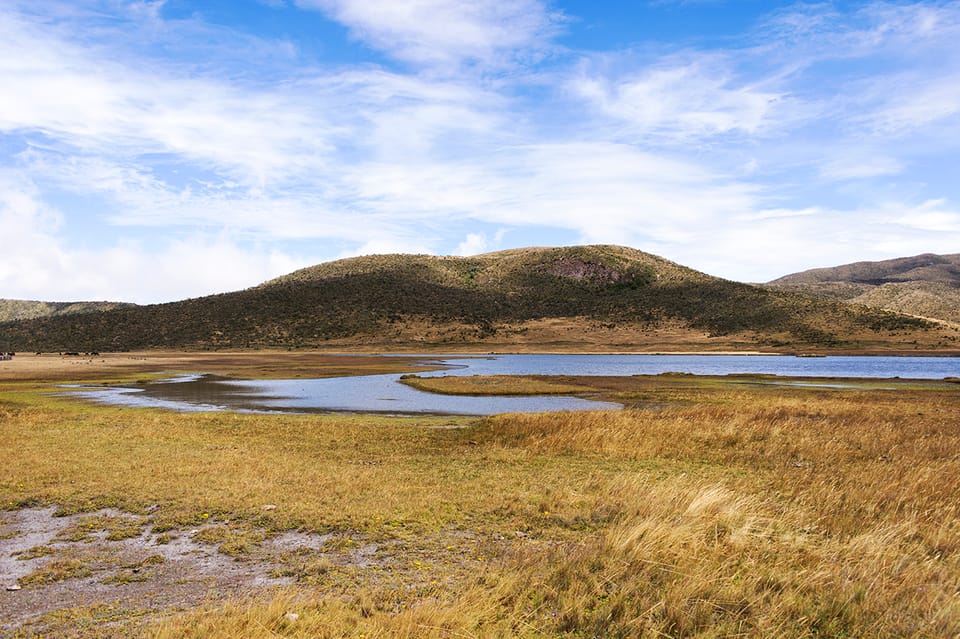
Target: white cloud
{"x": 765, "y": 247}
{"x": 912, "y": 102}
{"x": 444, "y": 32}
{"x": 167, "y": 148}
{"x": 603, "y": 192}
{"x": 908, "y": 64}
{"x": 933, "y": 215}
{"x": 78, "y": 98}
{"x": 192, "y": 266}
{"x": 146, "y": 8}
{"x": 32, "y": 259}
{"x": 132, "y": 271}
{"x": 473, "y": 244}
{"x": 858, "y": 167}
{"x": 618, "y": 193}
{"x": 386, "y": 244}
{"x": 39, "y": 258}
{"x": 824, "y": 31}
{"x": 679, "y": 99}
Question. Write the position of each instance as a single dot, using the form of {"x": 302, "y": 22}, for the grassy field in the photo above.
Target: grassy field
{"x": 710, "y": 507}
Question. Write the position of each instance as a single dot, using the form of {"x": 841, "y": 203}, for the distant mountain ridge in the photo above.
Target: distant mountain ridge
{"x": 567, "y": 298}
{"x": 11, "y": 310}
{"x": 925, "y": 285}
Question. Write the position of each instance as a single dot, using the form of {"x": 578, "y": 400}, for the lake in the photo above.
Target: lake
{"x": 784, "y": 365}
{"x": 384, "y": 393}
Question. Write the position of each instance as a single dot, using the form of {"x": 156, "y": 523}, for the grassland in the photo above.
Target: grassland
{"x": 709, "y": 507}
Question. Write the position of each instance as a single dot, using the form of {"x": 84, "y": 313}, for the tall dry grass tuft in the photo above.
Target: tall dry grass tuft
{"x": 709, "y": 560}
{"x": 685, "y": 558}
{"x": 834, "y": 516}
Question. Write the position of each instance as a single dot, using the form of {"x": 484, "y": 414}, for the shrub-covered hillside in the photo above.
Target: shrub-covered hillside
{"x": 578, "y": 296}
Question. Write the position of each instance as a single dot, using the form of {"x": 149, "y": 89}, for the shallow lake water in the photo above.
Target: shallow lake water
{"x": 364, "y": 394}
{"x": 784, "y": 365}
{"x": 385, "y": 394}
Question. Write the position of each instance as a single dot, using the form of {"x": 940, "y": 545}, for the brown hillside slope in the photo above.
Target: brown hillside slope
{"x": 925, "y": 285}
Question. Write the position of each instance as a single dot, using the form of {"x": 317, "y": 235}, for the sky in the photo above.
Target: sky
{"x": 153, "y": 151}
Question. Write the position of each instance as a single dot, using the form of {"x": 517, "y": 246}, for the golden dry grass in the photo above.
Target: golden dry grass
{"x": 493, "y": 385}
{"x": 728, "y": 510}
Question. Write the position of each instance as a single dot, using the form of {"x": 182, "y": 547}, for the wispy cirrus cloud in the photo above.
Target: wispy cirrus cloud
{"x": 891, "y": 66}
{"x": 910, "y": 102}
{"x": 69, "y": 95}
{"x": 447, "y": 33}
{"x": 679, "y": 98}
{"x": 859, "y": 165}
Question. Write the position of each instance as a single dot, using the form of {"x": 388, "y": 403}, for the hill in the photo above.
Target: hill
{"x": 11, "y": 310}
{"x": 925, "y": 285}
{"x": 573, "y": 298}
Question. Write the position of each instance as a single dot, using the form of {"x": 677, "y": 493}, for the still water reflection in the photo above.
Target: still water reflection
{"x": 366, "y": 394}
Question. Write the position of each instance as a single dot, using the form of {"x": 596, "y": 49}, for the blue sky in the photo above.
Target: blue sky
{"x": 152, "y": 151}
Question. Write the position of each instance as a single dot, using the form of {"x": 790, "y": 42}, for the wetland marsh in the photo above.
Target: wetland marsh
{"x": 707, "y": 507}
{"x": 384, "y": 393}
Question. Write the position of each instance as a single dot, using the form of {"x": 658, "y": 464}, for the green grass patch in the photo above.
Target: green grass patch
{"x": 35, "y": 553}
{"x": 115, "y": 528}
{"x": 56, "y": 571}
{"x": 234, "y": 541}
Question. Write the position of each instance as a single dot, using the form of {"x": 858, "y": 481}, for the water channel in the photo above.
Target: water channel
{"x": 384, "y": 393}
